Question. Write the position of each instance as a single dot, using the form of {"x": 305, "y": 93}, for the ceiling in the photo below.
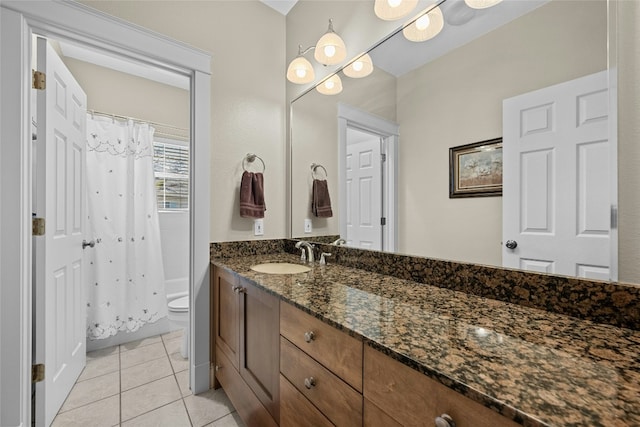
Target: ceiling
{"x": 282, "y": 6}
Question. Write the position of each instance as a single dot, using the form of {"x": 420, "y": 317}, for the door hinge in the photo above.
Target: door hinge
{"x": 383, "y": 221}
{"x": 383, "y": 157}
{"x": 38, "y": 226}
{"x": 614, "y": 217}
{"x": 37, "y": 373}
{"x": 39, "y": 80}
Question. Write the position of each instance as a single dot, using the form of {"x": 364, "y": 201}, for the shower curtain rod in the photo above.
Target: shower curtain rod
{"x": 183, "y": 133}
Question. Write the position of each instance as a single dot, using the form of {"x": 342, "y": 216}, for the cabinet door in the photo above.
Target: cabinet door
{"x": 260, "y": 345}
{"x": 226, "y": 318}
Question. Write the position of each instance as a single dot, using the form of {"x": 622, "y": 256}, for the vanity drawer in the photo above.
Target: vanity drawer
{"x": 296, "y": 410}
{"x": 413, "y": 399}
{"x": 336, "y": 350}
{"x": 332, "y": 396}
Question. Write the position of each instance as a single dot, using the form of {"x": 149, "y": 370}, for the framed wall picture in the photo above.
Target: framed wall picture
{"x": 475, "y": 170}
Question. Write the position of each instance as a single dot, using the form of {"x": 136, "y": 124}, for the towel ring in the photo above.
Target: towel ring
{"x": 314, "y": 171}
{"x": 250, "y": 158}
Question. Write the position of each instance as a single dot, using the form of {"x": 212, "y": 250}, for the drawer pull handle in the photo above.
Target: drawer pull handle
{"x": 445, "y": 420}
{"x": 311, "y": 382}
{"x": 309, "y": 336}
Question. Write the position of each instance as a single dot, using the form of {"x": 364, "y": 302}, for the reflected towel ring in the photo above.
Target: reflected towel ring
{"x": 250, "y": 158}
{"x": 314, "y": 167}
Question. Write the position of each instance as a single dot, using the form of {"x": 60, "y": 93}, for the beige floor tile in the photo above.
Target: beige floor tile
{"x": 148, "y": 397}
{"x": 171, "y": 415}
{"x": 207, "y": 407}
{"x": 103, "y": 352}
{"x": 172, "y": 335}
{"x": 103, "y": 413}
{"x": 144, "y": 373}
{"x": 100, "y": 366}
{"x": 231, "y": 420}
{"x": 173, "y": 346}
{"x": 92, "y": 390}
{"x": 141, "y": 355}
{"x": 183, "y": 382}
{"x": 139, "y": 343}
{"x": 178, "y": 363}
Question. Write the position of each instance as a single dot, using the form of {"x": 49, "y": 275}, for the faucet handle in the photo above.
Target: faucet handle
{"x": 323, "y": 261}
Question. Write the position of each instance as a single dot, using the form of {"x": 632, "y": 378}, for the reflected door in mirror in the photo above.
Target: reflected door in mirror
{"x": 557, "y": 179}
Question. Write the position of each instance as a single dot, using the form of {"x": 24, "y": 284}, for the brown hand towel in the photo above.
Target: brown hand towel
{"x": 320, "y": 200}
{"x": 252, "y": 195}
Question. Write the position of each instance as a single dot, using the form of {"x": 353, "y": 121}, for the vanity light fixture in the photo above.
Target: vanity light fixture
{"x": 425, "y": 26}
{"x": 300, "y": 70}
{"x": 330, "y": 49}
{"x": 362, "y": 66}
{"x": 481, "y": 4}
{"x": 390, "y": 10}
{"x": 331, "y": 86}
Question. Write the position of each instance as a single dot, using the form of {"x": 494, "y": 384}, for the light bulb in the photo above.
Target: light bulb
{"x": 394, "y": 3}
{"x": 300, "y": 72}
{"x": 357, "y": 66}
{"x": 330, "y": 51}
{"x": 423, "y": 22}
{"x": 329, "y": 84}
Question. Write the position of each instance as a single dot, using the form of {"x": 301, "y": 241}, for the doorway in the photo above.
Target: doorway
{"x": 367, "y": 161}
{"x": 94, "y": 182}
{"x": 80, "y": 24}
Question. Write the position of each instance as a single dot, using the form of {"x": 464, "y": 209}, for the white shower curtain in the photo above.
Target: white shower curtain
{"x": 125, "y": 286}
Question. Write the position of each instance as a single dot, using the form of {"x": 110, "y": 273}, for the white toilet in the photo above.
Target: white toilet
{"x": 179, "y": 315}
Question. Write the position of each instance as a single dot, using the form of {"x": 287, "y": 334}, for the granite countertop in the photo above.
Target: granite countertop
{"x": 533, "y": 366}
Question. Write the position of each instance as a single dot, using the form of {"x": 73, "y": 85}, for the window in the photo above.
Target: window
{"x": 171, "y": 167}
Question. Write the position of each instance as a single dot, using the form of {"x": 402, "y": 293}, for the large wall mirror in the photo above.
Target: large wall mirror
{"x": 391, "y": 133}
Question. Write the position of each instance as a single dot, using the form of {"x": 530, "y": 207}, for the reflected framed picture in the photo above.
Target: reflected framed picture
{"x": 475, "y": 170}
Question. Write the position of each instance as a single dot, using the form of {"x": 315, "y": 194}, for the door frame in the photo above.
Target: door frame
{"x": 78, "y": 23}
{"x": 351, "y": 117}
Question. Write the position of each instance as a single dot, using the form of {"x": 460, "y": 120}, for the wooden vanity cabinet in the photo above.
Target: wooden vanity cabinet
{"x": 394, "y": 391}
{"x": 321, "y": 372}
{"x": 247, "y": 333}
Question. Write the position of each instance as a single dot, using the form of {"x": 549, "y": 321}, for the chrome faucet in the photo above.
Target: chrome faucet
{"x": 302, "y": 245}
{"x": 339, "y": 242}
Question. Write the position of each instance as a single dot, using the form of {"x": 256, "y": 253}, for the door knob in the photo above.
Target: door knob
{"x": 445, "y": 420}
{"x": 310, "y": 382}
{"x": 511, "y": 244}
{"x": 90, "y": 244}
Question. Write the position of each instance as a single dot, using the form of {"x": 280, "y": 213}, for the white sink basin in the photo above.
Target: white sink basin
{"x": 280, "y": 268}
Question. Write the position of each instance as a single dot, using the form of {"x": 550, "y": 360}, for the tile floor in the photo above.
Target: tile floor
{"x": 143, "y": 383}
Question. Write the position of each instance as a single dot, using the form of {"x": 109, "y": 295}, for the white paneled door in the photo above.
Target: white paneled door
{"x": 59, "y": 307}
{"x": 558, "y": 180}
{"x": 364, "y": 193}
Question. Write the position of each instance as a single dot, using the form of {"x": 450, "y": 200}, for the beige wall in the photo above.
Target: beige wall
{"x": 123, "y": 94}
{"x": 248, "y": 104}
{"x": 457, "y": 100}
{"x": 628, "y": 55}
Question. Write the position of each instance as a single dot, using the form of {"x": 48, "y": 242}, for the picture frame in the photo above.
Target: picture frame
{"x": 475, "y": 170}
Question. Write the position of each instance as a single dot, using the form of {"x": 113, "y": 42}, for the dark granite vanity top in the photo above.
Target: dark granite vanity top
{"x": 533, "y": 366}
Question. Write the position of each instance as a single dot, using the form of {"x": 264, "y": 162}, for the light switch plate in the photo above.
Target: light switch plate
{"x": 308, "y": 226}
{"x": 258, "y": 227}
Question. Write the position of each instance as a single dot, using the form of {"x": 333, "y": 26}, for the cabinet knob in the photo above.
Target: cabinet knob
{"x": 310, "y": 383}
{"x": 309, "y": 336}
{"x": 445, "y": 420}
{"x": 217, "y": 368}
{"x": 238, "y": 289}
